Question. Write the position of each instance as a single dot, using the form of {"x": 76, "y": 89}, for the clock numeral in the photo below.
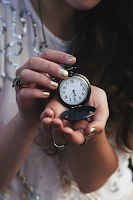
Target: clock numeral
{"x": 83, "y": 94}
{"x": 64, "y": 87}
{"x": 70, "y": 99}
{"x": 67, "y": 83}
{"x": 66, "y": 97}
{"x": 72, "y": 81}
{"x": 63, "y": 92}
{"x": 81, "y": 84}
{"x": 79, "y": 98}
{"x": 83, "y": 88}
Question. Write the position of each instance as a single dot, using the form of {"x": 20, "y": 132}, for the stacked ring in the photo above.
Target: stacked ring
{"x": 84, "y": 136}
{"x": 17, "y": 82}
{"x": 61, "y": 147}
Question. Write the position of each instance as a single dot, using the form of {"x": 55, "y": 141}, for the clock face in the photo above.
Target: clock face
{"x": 73, "y": 91}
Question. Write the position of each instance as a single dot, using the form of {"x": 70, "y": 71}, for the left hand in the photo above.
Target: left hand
{"x": 63, "y": 131}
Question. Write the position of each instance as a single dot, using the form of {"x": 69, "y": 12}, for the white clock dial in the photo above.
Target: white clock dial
{"x": 73, "y": 91}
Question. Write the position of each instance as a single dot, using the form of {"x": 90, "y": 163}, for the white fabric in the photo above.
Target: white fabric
{"x": 43, "y": 171}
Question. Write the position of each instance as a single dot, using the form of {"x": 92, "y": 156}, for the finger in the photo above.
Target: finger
{"x": 57, "y": 108}
{"x": 32, "y": 93}
{"x": 80, "y": 125}
{"x": 46, "y": 118}
{"x": 46, "y": 127}
{"x": 47, "y": 113}
{"x": 99, "y": 119}
{"x": 46, "y": 62}
{"x": 58, "y": 57}
{"x": 98, "y": 122}
{"x": 57, "y": 132}
{"x": 75, "y": 138}
{"x": 28, "y": 76}
{"x": 42, "y": 65}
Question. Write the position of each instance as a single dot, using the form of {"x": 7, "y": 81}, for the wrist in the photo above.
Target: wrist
{"x": 27, "y": 124}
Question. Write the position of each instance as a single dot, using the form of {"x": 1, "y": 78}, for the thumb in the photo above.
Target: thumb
{"x": 98, "y": 123}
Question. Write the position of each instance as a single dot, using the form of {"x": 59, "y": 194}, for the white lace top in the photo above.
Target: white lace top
{"x": 50, "y": 175}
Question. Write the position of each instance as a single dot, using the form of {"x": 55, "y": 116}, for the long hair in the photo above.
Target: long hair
{"x": 104, "y": 51}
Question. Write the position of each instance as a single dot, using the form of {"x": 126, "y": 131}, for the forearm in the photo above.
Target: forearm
{"x": 15, "y": 141}
{"x": 93, "y": 163}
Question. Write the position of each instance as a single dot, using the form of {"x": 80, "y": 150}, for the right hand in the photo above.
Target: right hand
{"x": 35, "y": 72}
{"x": 65, "y": 131}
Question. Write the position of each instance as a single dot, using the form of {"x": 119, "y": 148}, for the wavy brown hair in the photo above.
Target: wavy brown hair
{"x": 104, "y": 51}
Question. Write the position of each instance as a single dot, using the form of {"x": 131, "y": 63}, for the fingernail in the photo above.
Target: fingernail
{"x": 46, "y": 94}
{"x": 63, "y": 72}
{"x": 46, "y": 115}
{"x": 70, "y": 58}
{"x": 56, "y": 125}
{"x": 66, "y": 134}
{"x": 54, "y": 84}
{"x": 46, "y": 125}
{"x": 92, "y": 132}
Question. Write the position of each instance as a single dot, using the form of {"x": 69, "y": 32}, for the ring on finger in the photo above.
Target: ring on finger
{"x": 17, "y": 82}
{"x": 82, "y": 131}
{"x": 61, "y": 147}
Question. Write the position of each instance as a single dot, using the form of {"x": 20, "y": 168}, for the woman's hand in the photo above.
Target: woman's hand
{"x": 35, "y": 72}
{"x": 19, "y": 133}
{"x": 93, "y": 162}
{"x": 74, "y": 132}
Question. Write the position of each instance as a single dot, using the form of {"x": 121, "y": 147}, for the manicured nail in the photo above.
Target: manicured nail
{"x": 46, "y": 94}
{"x": 46, "y": 125}
{"x": 92, "y": 132}
{"x": 63, "y": 72}
{"x": 70, "y": 58}
{"x": 56, "y": 125}
{"x": 66, "y": 134}
{"x": 54, "y": 84}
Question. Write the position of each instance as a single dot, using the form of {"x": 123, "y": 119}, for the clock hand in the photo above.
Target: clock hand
{"x": 74, "y": 95}
{"x": 70, "y": 94}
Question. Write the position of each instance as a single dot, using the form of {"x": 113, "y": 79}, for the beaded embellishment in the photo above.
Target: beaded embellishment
{"x": 17, "y": 37}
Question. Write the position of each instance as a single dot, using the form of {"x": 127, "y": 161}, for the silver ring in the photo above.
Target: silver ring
{"x": 84, "y": 136}
{"x": 17, "y": 82}
{"x": 61, "y": 147}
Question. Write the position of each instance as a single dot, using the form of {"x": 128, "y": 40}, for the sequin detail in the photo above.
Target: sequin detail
{"x": 30, "y": 188}
{"x": 18, "y": 37}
